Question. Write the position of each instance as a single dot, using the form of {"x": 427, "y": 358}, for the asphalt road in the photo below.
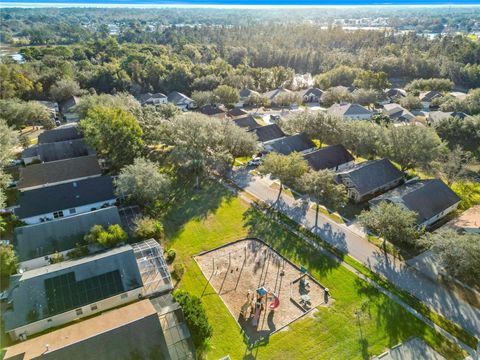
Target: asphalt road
{"x": 352, "y": 240}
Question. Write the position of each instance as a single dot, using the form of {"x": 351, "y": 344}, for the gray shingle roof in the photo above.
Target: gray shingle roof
{"x": 268, "y": 132}
{"x": 246, "y": 92}
{"x": 211, "y": 110}
{"x": 28, "y": 291}
{"x": 290, "y": 144}
{"x": 314, "y": 91}
{"x": 176, "y": 97}
{"x": 63, "y": 133}
{"x": 236, "y": 112}
{"x": 348, "y": 110}
{"x": 328, "y": 157}
{"x": 271, "y": 95}
{"x": 58, "y": 171}
{"x": 426, "y": 197}
{"x": 58, "y": 150}
{"x": 247, "y": 122}
{"x": 62, "y": 234}
{"x": 64, "y": 196}
{"x": 149, "y": 98}
{"x": 371, "y": 175}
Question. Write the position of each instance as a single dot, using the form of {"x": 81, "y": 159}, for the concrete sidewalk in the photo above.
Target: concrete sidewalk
{"x": 352, "y": 241}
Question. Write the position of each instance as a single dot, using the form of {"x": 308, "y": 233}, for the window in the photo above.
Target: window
{"x": 58, "y": 214}
{"x": 72, "y": 211}
{"x": 93, "y": 307}
{"x": 124, "y": 296}
{"x": 79, "y": 311}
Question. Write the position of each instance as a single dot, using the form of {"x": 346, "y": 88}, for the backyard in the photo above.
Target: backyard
{"x": 360, "y": 323}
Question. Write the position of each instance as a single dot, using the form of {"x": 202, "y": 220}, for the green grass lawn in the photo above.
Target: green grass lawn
{"x": 212, "y": 217}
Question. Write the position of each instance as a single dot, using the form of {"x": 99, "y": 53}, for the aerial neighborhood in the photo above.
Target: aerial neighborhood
{"x": 163, "y": 197}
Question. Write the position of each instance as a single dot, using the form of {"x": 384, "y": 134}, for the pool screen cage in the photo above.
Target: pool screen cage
{"x": 153, "y": 268}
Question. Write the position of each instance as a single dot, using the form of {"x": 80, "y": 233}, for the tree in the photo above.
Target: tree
{"x": 362, "y": 137}
{"x": 8, "y": 140}
{"x": 19, "y": 113}
{"x": 381, "y": 119}
{"x": 122, "y": 101}
{"x": 64, "y": 89}
{"x": 287, "y": 99}
{"x": 412, "y": 146}
{"x": 341, "y": 75}
{"x": 106, "y": 238}
{"x": 321, "y": 185}
{"x": 365, "y": 96}
{"x": 143, "y": 181}
{"x": 335, "y": 95}
{"x": 430, "y": 84}
{"x": 458, "y": 253}
{"x": 288, "y": 169}
{"x": 452, "y": 164}
{"x": 8, "y": 260}
{"x": 391, "y": 222}
{"x": 204, "y": 97}
{"x": 168, "y": 111}
{"x": 114, "y": 133}
{"x": 195, "y": 317}
{"x": 317, "y": 125}
{"x": 372, "y": 80}
{"x": 257, "y": 100}
{"x": 146, "y": 228}
{"x": 411, "y": 102}
{"x": 227, "y": 95}
{"x": 464, "y": 133}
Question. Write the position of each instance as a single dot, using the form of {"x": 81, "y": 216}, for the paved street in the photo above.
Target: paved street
{"x": 352, "y": 240}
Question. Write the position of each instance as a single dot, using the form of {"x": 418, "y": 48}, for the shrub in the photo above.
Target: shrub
{"x": 78, "y": 251}
{"x": 146, "y": 228}
{"x": 8, "y": 260}
{"x": 56, "y": 258}
{"x": 195, "y": 317}
{"x": 107, "y": 238}
{"x": 178, "y": 271}
{"x": 171, "y": 253}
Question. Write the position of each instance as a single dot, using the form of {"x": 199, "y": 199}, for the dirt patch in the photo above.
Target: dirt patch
{"x": 262, "y": 290}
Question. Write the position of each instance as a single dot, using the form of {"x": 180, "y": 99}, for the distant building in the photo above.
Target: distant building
{"x": 437, "y": 116}
{"x": 334, "y": 157}
{"x": 34, "y": 243}
{"x": 289, "y": 144}
{"x": 350, "y": 111}
{"x": 67, "y": 109}
{"x": 213, "y": 110}
{"x": 57, "y": 294}
{"x": 370, "y": 178}
{"x": 236, "y": 112}
{"x": 57, "y": 172}
{"x": 273, "y": 95}
{"x": 397, "y": 113}
{"x": 311, "y": 95}
{"x": 431, "y": 199}
{"x": 268, "y": 133}
{"x": 245, "y": 93}
{"x": 395, "y": 94}
{"x": 247, "y": 122}
{"x": 426, "y": 97}
{"x": 182, "y": 101}
{"x": 56, "y": 151}
{"x": 152, "y": 99}
{"x": 65, "y": 199}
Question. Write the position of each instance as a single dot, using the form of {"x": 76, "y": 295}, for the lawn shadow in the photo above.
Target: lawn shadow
{"x": 189, "y": 203}
{"x": 264, "y": 227}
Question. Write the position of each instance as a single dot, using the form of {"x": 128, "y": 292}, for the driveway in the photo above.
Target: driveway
{"x": 350, "y": 239}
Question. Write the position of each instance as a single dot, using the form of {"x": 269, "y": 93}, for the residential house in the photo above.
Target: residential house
{"x": 350, "y": 111}
{"x": 268, "y": 133}
{"x": 60, "y": 293}
{"x": 152, "y": 99}
{"x": 370, "y": 178}
{"x": 213, "y": 110}
{"x": 431, "y": 199}
{"x": 236, "y": 112}
{"x": 459, "y": 95}
{"x": 398, "y": 113}
{"x": 56, "y": 151}
{"x": 273, "y": 95}
{"x": 395, "y": 94}
{"x": 437, "y": 116}
{"x": 65, "y": 199}
{"x": 247, "y": 122}
{"x": 333, "y": 157}
{"x": 62, "y": 133}
{"x": 53, "y": 108}
{"x": 57, "y": 172}
{"x": 311, "y": 95}
{"x": 137, "y": 328}
{"x": 67, "y": 109}
{"x": 289, "y": 144}
{"x": 35, "y": 243}
{"x": 426, "y": 98}
{"x": 245, "y": 93}
{"x": 182, "y": 101}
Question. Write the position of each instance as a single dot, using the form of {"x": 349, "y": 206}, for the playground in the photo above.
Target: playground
{"x": 262, "y": 290}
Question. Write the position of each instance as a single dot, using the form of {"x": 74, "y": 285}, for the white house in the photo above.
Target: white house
{"x": 350, "y": 111}
{"x": 182, "y": 101}
{"x": 65, "y": 199}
